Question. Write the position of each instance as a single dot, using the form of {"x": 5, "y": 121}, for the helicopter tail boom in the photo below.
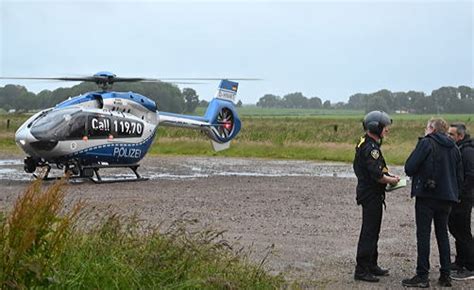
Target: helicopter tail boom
{"x": 220, "y": 123}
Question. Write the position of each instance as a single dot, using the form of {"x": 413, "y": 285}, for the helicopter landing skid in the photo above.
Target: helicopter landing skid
{"x": 99, "y": 179}
{"x": 88, "y": 172}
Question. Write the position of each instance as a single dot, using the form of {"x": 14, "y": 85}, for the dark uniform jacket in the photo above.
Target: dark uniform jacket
{"x": 369, "y": 166}
{"x": 435, "y": 158}
{"x": 466, "y": 146}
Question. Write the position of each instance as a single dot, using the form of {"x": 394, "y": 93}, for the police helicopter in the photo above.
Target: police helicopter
{"x": 107, "y": 129}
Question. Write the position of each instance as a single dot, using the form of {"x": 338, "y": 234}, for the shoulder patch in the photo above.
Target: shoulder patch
{"x": 375, "y": 154}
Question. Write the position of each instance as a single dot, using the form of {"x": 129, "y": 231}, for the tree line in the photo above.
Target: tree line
{"x": 443, "y": 100}
{"x": 168, "y": 97}
{"x": 293, "y": 100}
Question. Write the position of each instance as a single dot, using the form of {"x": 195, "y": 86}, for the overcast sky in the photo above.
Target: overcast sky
{"x": 326, "y": 49}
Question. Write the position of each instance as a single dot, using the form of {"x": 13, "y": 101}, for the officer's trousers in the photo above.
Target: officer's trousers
{"x": 369, "y": 235}
{"x": 460, "y": 228}
{"x": 428, "y": 210}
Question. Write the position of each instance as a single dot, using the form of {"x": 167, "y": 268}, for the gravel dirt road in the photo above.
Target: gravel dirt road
{"x": 307, "y": 210}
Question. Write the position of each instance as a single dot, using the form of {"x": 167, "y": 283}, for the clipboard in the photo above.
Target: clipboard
{"x": 400, "y": 184}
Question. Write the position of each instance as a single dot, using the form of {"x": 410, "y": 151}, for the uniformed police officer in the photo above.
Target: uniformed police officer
{"x": 372, "y": 178}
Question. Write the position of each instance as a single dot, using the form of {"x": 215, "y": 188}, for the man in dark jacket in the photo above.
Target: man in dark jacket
{"x": 436, "y": 170}
{"x": 460, "y": 217}
{"x": 372, "y": 177}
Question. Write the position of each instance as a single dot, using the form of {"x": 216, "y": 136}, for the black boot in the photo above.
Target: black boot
{"x": 377, "y": 271}
{"x": 444, "y": 281}
{"x": 456, "y": 267}
{"x": 416, "y": 281}
{"x": 367, "y": 277}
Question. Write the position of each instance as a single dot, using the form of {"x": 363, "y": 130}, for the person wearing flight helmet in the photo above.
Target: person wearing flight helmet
{"x": 372, "y": 178}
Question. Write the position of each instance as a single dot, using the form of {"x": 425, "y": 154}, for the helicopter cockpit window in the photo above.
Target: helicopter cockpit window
{"x": 59, "y": 125}
{"x": 77, "y": 128}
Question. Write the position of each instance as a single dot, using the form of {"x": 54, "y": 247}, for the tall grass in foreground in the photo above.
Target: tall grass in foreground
{"x": 47, "y": 244}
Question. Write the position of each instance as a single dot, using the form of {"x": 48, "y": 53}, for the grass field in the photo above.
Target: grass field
{"x": 282, "y": 133}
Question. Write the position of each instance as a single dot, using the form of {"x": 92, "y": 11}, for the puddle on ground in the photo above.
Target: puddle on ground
{"x": 8, "y": 162}
{"x": 201, "y": 167}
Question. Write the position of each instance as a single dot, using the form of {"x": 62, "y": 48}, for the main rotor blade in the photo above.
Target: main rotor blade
{"x": 76, "y": 79}
{"x": 101, "y": 79}
{"x": 211, "y": 79}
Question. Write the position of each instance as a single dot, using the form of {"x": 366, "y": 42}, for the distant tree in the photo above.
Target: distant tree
{"x": 419, "y": 103}
{"x": 269, "y": 101}
{"x": 466, "y": 106}
{"x": 377, "y": 103}
{"x": 446, "y": 100}
{"x": 466, "y": 92}
{"x": 401, "y": 101}
{"x": 358, "y": 101}
{"x": 327, "y": 104}
{"x": 191, "y": 100}
{"x": 340, "y": 105}
{"x": 295, "y": 100}
{"x": 314, "y": 103}
{"x": 386, "y": 95}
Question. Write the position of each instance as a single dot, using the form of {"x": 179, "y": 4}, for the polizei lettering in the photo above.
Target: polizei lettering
{"x": 127, "y": 152}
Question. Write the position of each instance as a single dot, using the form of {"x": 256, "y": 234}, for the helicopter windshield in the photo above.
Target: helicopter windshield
{"x": 60, "y": 125}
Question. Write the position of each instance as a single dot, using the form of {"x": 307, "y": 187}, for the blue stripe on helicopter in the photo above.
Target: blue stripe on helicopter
{"x": 114, "y": 153}
{"x": 134, "y": 97}
{"x": 228, "y": 85}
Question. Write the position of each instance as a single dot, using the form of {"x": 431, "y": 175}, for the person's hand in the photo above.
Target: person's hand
{"x": 395, "y": 179}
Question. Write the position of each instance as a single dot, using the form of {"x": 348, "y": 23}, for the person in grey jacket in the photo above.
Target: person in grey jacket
{"x": 436, "y": 169}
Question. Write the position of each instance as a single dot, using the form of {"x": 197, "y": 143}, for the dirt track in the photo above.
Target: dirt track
{"x": 312, "y": 219}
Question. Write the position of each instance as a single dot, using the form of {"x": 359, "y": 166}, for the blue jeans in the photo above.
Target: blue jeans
{"x": 426, "y": 211}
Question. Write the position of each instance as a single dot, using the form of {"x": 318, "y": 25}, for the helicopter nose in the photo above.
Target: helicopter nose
{"x": 23, "y": 139}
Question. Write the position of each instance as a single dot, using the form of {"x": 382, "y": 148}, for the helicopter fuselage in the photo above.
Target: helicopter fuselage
{"x": 109, "y": 127}
{"x": 115, "y": 129}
